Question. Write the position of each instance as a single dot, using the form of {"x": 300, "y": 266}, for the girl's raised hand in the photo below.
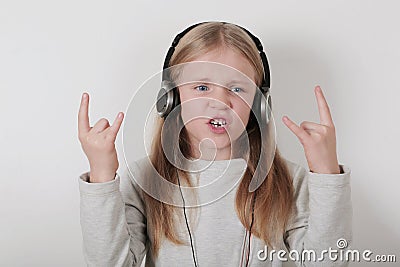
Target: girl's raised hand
{"x": 98, "y": 143}
{"x": 318, "y": 140}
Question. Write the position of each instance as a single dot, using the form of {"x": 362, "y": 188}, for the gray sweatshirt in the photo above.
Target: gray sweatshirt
{"x": 114, "y": 225}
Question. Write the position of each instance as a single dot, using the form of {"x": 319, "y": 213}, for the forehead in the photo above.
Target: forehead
{"x": 221, "y": 65}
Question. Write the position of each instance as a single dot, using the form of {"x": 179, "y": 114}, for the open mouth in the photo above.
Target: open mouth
{"x": 218, "y": 122}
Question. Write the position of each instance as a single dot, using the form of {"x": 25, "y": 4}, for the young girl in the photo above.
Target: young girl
{"x": 293, "y": 208}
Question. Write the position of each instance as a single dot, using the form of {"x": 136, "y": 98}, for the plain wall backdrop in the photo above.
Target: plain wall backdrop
{"x": 53, "y": 51}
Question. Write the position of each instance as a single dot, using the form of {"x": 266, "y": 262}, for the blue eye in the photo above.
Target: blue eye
{"x": 201, "y": 88}
{"x": 237, "y": 90}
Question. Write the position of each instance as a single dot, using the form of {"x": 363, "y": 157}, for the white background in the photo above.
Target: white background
{"x": 52, "y": 51}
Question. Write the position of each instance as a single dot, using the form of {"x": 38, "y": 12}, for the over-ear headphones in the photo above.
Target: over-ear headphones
{"x": 168, "y": 97}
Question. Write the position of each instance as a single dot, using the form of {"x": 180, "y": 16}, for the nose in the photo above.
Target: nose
{"x": 220, "y": 98}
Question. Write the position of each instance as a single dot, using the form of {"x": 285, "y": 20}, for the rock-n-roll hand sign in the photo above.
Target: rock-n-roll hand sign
{"x": 98, "y": 143}
{"x": 318, "y": 140}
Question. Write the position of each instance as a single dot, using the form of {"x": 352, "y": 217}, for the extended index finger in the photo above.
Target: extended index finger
{"x": 83, "y": 116}
{"x": 323, "y": 108}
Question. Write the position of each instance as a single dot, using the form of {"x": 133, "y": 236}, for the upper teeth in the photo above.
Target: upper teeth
{"x": 218, "y": 122}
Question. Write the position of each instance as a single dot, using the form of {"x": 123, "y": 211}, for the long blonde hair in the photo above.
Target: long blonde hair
{"x": 275, "y": 195}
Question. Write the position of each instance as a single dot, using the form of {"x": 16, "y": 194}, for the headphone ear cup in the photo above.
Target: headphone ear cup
{"x": 262, "y": 107}
{"x": 266, "y": 107}
{"x": 166, "y": 99}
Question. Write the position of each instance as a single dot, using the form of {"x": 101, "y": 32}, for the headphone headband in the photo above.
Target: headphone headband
{"x": 266, "y": 81}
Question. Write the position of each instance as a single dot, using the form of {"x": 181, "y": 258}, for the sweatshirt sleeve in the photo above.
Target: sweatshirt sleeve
{"x": 113, "y": 222}
{"x": 322, "y": 216}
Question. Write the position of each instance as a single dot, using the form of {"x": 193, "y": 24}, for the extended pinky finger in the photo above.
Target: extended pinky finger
{"x": 301, "y": 134}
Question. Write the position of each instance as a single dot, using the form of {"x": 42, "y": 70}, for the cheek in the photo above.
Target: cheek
{"x": 245, "y": 116}
{"x": 192, "y": 108}
{"x": 242, "y": 111}
{"x": 192, "y": 111}
{"x": 193, "y": 127}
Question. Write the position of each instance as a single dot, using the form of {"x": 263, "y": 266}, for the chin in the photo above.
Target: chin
{"x": 219, "y": 144}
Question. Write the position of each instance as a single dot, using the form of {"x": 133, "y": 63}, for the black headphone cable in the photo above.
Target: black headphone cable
{"x": 251, "y": 225}
{"x": 190, "y": 235}
{"x": 187, "y": 224}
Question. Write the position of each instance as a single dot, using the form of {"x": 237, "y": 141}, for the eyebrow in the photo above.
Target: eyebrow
{"x": 230, "y": 82}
